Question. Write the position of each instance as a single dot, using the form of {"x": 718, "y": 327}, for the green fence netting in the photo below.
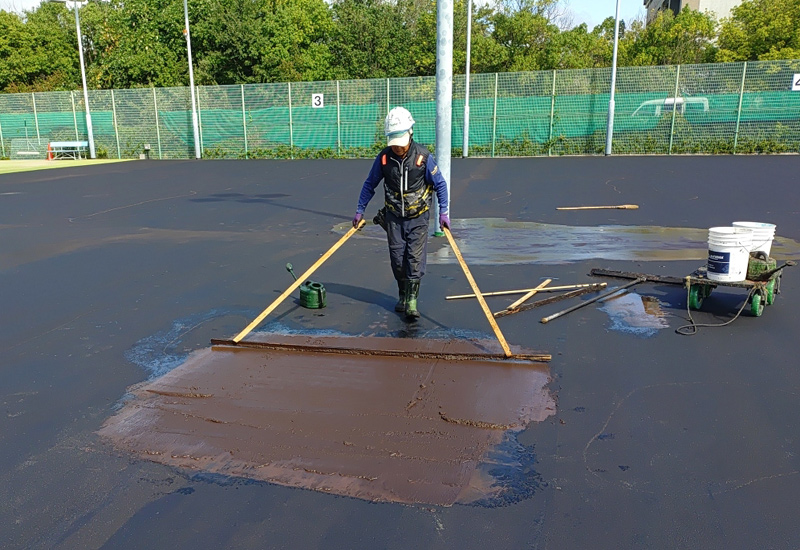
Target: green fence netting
{"x": 749, "y": 107}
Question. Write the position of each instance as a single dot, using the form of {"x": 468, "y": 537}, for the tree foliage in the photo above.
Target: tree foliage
{"x": 761, "y": 30}
{"x": 130, "y": 43}
{"x": 672, "y": 40}
{"x": 39, "y": 53}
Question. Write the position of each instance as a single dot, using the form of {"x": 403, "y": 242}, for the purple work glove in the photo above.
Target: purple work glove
{"x": 444, "y": 220}
{"x": 357, "y": 219}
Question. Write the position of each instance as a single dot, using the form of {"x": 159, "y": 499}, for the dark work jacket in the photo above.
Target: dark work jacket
{"x": 408, "y": 182}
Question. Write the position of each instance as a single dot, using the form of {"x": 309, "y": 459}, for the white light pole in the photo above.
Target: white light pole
{"x": 610, "y": 125}
{"x": 444, "y": 97}
{"x": 89, "y": 129}
{"x": 465, "y": 148}
{"x": 191, "y": 81}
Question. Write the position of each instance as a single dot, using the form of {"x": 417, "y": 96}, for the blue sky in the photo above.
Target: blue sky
{"x": 591, "y": 12}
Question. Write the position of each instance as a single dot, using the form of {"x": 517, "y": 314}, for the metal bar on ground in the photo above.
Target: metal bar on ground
{"x": 521, "y": 291}
{"x": 451, "y": 356}
{"x": 630, "y": 275}
{"x": 528, "y": 295}
{"x": 587, "y": 302}
{"x": 297, "y": 283}
{"x": 477, "y": 292}
{"x": 572, "y": 294}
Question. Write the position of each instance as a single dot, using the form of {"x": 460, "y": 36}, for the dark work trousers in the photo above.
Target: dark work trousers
{"x": 408, "y": 243}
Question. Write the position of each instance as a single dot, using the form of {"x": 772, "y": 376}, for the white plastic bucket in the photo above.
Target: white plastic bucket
{"x": 728, "y": 253}
{"x": 763, "y": 233}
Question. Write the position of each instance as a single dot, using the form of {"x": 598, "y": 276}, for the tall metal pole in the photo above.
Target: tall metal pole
{"x": 89, "y": 129}
{"x": 465, "y": 143}
{"x": 444, "y": 94}
{"x": 191, "y": 80}
{"x": 610, "y": 125}
{"x": 738, "y": 109}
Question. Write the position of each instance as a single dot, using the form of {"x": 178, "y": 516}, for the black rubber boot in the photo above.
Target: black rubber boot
{"x": 400, "y": 306}
{"x": 412, "y": 293}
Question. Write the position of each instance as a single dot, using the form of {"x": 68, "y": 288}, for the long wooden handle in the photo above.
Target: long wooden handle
{"x": 587, "y": 302}
{"x": 522, "y": 291}
{"x": 477, "y": 291}
{"x": 618, "y": 206}
{"x": 300, "y": 280}
{"x": 557, "y": 298}
{"x": 530, "y": 294}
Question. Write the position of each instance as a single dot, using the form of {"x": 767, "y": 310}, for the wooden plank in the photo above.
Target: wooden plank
{"x": 450, "y": 356}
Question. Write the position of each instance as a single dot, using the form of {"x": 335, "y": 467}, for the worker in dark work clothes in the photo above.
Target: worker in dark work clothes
{"x": 410, "y": 178}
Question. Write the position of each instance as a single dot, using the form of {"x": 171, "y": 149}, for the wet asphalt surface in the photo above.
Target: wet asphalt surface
{"x": 110, "y": 272}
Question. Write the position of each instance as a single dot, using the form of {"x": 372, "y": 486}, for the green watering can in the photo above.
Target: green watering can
{"x": 312, "y": 294}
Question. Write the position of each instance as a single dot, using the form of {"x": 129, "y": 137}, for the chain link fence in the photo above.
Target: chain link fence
{"x": 751, "y": 107}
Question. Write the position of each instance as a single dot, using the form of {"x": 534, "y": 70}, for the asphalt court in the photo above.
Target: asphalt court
{"x": 113, "y": 274}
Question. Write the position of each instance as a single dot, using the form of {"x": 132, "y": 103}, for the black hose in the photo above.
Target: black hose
{"x": 692, "y": 329}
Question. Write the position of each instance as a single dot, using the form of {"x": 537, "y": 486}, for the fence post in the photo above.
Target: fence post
{"x": 158, "y": 130}
{"x": 36, "y": 119}
{"x": 116, "y": 126}
{"x": 552, "y": 114}
{"x": 674, "y": 108}
{"x": 739, "y": 109}
{"x": 2, "y": 143}
{"x": 388, "y": 104}
{"x": 291, "y": 126}
{"x": 494, "y": 116}
{"x": 338, "y": 122}
{"x": 74, "y": 115}
{"x": 199, "y": 119}
{"x": 244, "y": 124}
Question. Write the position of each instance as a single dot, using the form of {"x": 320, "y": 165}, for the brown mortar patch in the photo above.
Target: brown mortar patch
{"x": 397, "y": 429}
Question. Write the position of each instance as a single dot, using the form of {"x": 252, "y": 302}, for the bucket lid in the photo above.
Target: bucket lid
{"x": 730, "y": 230}
{"x": 754, "y": 225}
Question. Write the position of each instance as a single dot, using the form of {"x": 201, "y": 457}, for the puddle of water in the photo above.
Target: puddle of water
{"x": 491, "y": 241}
{"x": 635, "y": 314}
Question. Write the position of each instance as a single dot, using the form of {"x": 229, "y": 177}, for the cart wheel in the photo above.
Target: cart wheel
{"x": 770, "y": 292}
{"x": 696, "y": 296}
{"x": 757, "y": 305}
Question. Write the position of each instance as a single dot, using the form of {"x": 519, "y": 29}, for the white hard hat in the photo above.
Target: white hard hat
{"x": 398, "y": 126}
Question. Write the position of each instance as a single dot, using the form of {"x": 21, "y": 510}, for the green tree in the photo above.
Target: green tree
{"x": 579, "y": 49}
{"x": 299, "y": 33}
{"x": 135, "y": 43}
{"x": 38, "y": 53}
{"x": 230, "y": 41}
{"x": 370, "y": 39}
{"x": 761, "y": 30}
{"x": 526, "y": 32}
{"x": 487, "y": 55}
{"x": 671, "y": 40}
